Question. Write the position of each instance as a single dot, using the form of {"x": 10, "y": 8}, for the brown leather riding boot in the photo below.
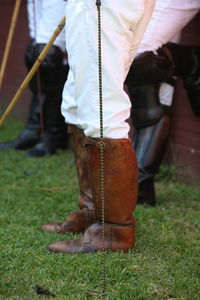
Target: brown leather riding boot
{"x": 79, "y": 220}
{"x": 120, "y": 195}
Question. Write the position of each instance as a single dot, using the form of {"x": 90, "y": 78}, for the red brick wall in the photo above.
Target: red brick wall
{"x": 15, "y": 70}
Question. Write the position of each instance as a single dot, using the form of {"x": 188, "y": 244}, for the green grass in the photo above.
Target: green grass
{"x": 163, "y": 265}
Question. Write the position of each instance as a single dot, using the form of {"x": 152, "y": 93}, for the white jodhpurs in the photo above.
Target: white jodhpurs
{"x": 43, "y": 18}
{"x": 123, "y": 25}
{"x": 168, "y": 20}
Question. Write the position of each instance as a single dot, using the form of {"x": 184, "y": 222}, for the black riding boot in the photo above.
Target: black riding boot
{"x": 53, "y": 74}
{"x": 150, "y": 117}
{"x": 150, "y": 143}
{"x": 30, "y": 135}
{"x": 55, "y": 130}
{"x": 187, "y": 66}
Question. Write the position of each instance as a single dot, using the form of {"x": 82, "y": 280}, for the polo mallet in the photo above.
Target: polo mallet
{"x": 32, "y": 72}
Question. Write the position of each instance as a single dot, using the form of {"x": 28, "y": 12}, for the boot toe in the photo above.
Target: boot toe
{"x": 76, "y": 246}
{"x": 7, "y": 145}
{"x": 58, "y": 247}
{"x": 39, "y": 150}
{"x": 82, "y": 244}
{"x": 51, "y": 227}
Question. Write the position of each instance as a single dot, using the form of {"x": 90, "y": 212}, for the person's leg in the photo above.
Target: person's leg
{"x": 151, "y": 96}
{"x": 79, "y": 220}
{"x": 120, "y": 190}
{"x": 44, "y": 16}
{"x": 44, "y": 112}
{"x": 45, "y": 131}
{"x": 120, "y": 181}
{"x": 150, "y": 143}
{"x": 150, "y": 139}
{"x": 187, "y": 67}
{"x": 52, "y": 75}
{"x": 151, "y": 107}
{"x": 168, "y": 19}
{"x": 30, "y": 135}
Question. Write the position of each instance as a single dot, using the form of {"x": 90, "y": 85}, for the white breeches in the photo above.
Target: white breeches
{"x": 123, "y": 25}
{"x": 168, "y": 19}
{"x": 43, "y": 18}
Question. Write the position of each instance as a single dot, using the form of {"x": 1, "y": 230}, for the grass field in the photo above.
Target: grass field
{"x": 163, "y": 265}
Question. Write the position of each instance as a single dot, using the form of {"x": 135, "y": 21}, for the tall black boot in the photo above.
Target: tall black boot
{"x": 55, "y": 133}
{"x": 187, "y": 67}
{"x": 30, "y": 135}
{"x": 150, "y": 117}
{"x": 150, "y": 143}
{"x": 53, "y": 74}
{"x": 152, "y": 124}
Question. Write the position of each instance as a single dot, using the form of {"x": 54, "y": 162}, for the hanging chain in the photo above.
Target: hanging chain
{"x": 101, "y": 147}
{"x": 102, "y": 192}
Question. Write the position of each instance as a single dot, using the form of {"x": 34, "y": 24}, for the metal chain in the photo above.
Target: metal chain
{"x": 102, "y": 192}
